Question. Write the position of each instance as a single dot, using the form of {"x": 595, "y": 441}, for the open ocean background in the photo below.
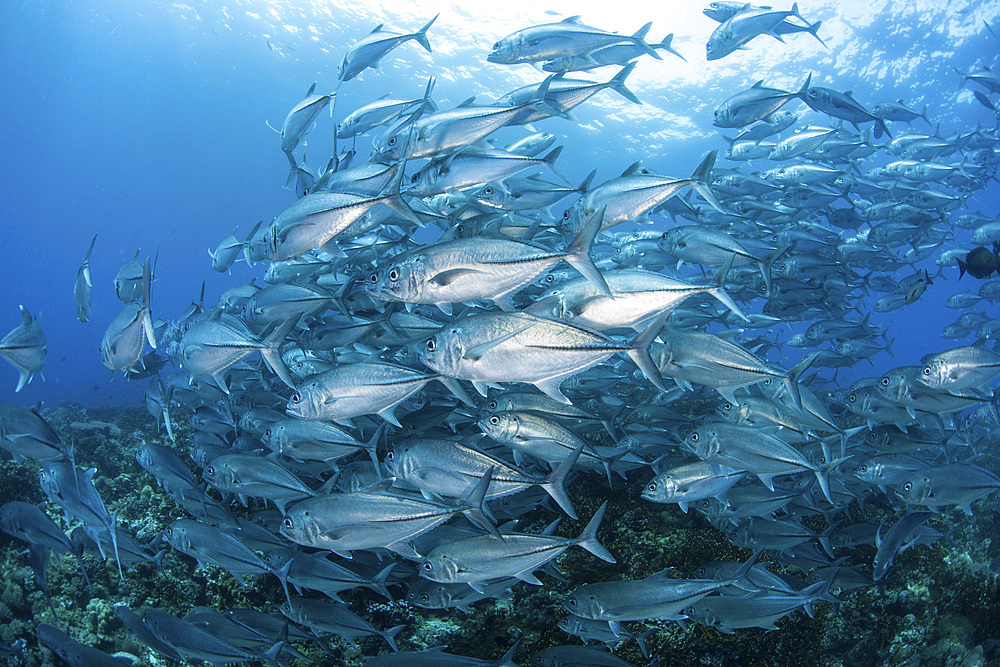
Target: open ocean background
{"x": 145, "y": 123}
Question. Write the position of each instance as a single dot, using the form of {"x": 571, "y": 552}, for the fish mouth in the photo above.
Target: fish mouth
{"x": 381, "y": 293}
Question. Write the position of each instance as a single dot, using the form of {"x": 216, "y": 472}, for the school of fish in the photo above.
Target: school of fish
{"x": 450, "y": 328}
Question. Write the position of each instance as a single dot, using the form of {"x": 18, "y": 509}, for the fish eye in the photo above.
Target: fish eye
{"x": 492, "y": 405}
{"x": 496, "y": 45}
{"x": 393, "y": 275}
{"x": 415, "y": 178}
{"x": 727, "y": 406}
{"x": 694, "y": 437}
{"x": 425, "y": 597}
{"x": 392, "y": 141}
{"x": 488, "y": 190}
{"x": 907, "y": 486}
{"x": 549, "y": 278}
{"x": 431, "y": 345}
{"x": 373, "y": 278}
{"x": 296, "y": 397}
{"x": 571, "y": 602}
{"x": 884, "y": 382}
{"x": 267, "y": 433}
{"x": 651, "y": 487}
{"x": 390, "y": 456}
{"x": 287, "y": 522}
{"x": 494, "y": 420}
{"x": 927, "y": 370}
{"x": 210, "y": 470}
{"x": 852, "y": 398}
{"x": 566, "y": 214}
{"x": 428, "y": 567}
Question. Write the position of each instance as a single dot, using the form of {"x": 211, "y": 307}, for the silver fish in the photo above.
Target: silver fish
{"x": 518, "y": 347}
{"x": 566, "y": 38}
{"x": 345, "y": 522}
{"x": 369, "y": 50}
{"x": 81, "y": 289}
{"x": 24, "y": 347}
{"x": 478, "y": 559}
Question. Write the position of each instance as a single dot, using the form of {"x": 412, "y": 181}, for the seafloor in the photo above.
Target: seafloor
{"x": 939, "y": 605}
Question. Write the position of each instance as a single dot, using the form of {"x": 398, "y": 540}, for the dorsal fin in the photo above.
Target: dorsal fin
{"x": 632, "y": 168}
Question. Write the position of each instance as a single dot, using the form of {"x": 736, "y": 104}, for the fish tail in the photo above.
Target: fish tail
{"x": 666, "y": 46}
{"x": 814, "y": 31}
{"x": 578, "y": 253}
{"x": 390, "y": 635}
{"x": 881, "y": 128}
{"x": 166, "y": 413}
{"x": 964, "y": 77}
{"x": 767, "y": 263}
{"x": 824, "y": 537}
{"x": 507, "y": 660}
{"x": 427, "y": 103}
{"x": 555, "y": 483}
{"x": 394, "y": 200}
{"x": 292, "y": 170}
{"x": 639, "y": 38}
{"x": 745, "y": 568}
{"x": 282, "y": 575}
{"x": 271, "y": 657}
{"x": 378, "y": 583}
{"x": 550, "y": 162}
{"x": 792, "y": 381}
{"x": 147, "y": 279}
{"x": 823, "y": 475}
{"x": 475, "y": 508}
{"x": 985, "y": 101}
{"x": 924, "y": 116}
{"x": 720, "y": 293}
{"x": 421, "y": 35}
{"x": 617, "y": 83}
{"x": 639, "y": 352}
{"x": 372, "y": 448}
{"x": 113, "y": 529}
{"x": 246, "y": 244}
{"x": 805, "y": 88}
{"x": 643, "y": 31}
{"x": 588, "y": 538}
{"x": 702, "y": 176}
{"x": 272, "y": 355}
{"x": 86, "y": 259}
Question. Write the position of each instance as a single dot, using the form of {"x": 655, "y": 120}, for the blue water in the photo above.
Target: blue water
{"x": 145, "y": 123}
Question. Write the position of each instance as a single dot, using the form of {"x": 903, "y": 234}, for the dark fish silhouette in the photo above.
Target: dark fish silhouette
{"x": 981, "y": 262}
